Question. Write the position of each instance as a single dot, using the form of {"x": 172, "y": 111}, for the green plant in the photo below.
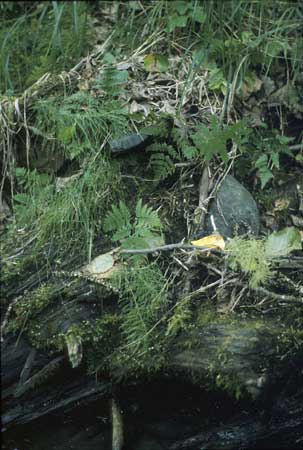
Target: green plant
{"x": 212, "y": 141}
{"x": 162, "y": 159}
{"x": 35, "y": 191}
{"x": 80, "y": 124}
{"x": 143, "y": 301}
{"x": 250, "y": 256}
{"x": 268, "y": 156}
{"x": 135, "y": 231}
{"x": 39, "y": 38}
{"x": 181, "y": 12}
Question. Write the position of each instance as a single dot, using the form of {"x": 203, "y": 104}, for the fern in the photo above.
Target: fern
{"x": 250, "y": 256}
{"x": 118, "y": 220}
{"x": 143, "y": 300}
{"x": 132, "y": 231}
{"x": 112, "y": 80}
{"x": 162, "y": 160}
{"x": 181, "y": 139}
{"x": 212, "y": 141}
{"x": 147, "y": 220}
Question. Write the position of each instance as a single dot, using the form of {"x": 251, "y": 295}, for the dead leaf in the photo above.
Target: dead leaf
{"x": 211, "y": 241}
{"x": 156, "y": 63}
{"x": 101, "y": 264}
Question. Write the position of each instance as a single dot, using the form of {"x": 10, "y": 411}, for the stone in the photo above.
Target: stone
{"x": 126, "y": 143}
{"x": 234, "y": 212}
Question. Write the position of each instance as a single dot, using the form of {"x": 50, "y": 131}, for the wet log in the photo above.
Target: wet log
{"x": 54, "y": 385}
{"x": 240, "y": 356}
{"x": 282, "y": 430}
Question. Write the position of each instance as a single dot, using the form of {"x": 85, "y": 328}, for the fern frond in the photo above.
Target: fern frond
{"x": 143, "y": 299}
{"x": 147, "y": 220}
{"x": 162, "y": 160}
{"x": 118, "y": 220}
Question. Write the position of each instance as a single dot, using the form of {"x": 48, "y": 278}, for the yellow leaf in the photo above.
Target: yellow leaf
{"x": 212, "y": 241}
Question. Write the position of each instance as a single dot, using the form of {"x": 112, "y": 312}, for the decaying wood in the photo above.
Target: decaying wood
{"x": 284, "y": 426}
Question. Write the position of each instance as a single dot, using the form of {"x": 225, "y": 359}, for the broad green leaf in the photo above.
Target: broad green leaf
{"x": 181, "y": 6}
{"x": 199, "y": 14}
{"x": 265, "y": 175}
{"x": 281, "y": 243}
{"x": 156, "y": 63}
{"x": 176, "y": 21}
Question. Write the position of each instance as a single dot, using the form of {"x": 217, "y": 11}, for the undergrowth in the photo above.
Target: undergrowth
{"x": 39, "y": 37}
{"x": 250, "y": 256}
{"x": 143, "y": 301}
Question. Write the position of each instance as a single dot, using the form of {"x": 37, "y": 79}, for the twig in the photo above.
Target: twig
{"x": 166, "y": 248}
{"x": 287, "y": 298}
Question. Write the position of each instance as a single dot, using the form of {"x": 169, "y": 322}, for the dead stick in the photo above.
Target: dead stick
{"x": 166, "y": 248}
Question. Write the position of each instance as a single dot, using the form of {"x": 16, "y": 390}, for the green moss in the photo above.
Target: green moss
{"x": 250, "y": 256}
{"x": 29, "y": 306}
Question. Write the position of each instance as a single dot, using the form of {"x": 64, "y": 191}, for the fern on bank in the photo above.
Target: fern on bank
{"x": 133, "y": 231}
{"x": 162, "y": 159}
{"x": 143, "y": 302}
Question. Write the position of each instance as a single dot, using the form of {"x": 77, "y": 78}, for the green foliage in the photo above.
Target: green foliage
{"x": 212, "y": 141}
{"x": 80, "y": 123}
{"x": 66, "y": 220}
{"x": 266, "y": 158}
{"x": 112, "y": 80}
{"x": 40, "y": 38}
{"x": 130, "y": 231}
{"x": 162, "y": 159}
{"x": 250, "y": 256}
{"x": 74, "y": 215}
{"x": 30, "y": 202}
{"x": 143, "y": 301}
{"x": 181, "y": 12}
{"x": 180, "y": 319}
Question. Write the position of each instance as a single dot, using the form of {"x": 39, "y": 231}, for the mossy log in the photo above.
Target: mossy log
{"x": 54, "y": 385}
{"x": 239, "y": 356}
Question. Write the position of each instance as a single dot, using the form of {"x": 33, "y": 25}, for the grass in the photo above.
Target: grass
{"x": 39, "y": 38}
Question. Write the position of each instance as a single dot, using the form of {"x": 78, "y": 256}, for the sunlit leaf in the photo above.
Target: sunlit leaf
{"x": 211, "y": 241}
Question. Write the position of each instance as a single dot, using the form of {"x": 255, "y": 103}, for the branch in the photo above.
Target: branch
{"x": 166, "y": 248}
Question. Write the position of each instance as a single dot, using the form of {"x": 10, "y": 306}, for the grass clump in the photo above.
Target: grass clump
{"x": 80, "y": 124}
{"x": 39, "y": 37}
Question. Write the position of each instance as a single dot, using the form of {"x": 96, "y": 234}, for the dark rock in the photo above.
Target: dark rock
{"x": 234, "y": 211}
{"x": 126, "y": 143}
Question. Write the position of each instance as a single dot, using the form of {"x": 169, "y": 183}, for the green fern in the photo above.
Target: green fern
{"x": 143, "y": 300}
{"x": 112, "y": 80}
{"x": 118, "y": 220}
{"x": 162, "y": 160}
{"x": 181, "y": 139}
{"x": 147, "y": 220}
{"x": 133, "y": 232}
